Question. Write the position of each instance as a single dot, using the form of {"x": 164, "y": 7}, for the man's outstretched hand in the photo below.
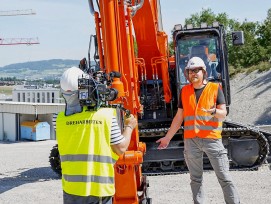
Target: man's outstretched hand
{"x": 164, "y": 141}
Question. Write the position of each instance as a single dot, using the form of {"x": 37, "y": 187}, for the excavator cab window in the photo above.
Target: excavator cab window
{"x": 206, "y": 47}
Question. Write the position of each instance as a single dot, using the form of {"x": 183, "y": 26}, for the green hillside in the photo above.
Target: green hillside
{"x": 45, "y": 69}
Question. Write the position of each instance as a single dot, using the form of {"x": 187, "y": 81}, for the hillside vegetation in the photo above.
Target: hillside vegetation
{"x": 45, "y": 69}
{"x": 261, "y": 67}
{"x": 257, "y": 47}
{"x": 7, "y": 90}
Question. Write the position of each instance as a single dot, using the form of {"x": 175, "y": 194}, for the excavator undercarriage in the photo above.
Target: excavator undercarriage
{"x": 248, "y": 148}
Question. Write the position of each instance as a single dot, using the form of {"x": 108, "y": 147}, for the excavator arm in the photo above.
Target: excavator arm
{"x": 115, "y": 22}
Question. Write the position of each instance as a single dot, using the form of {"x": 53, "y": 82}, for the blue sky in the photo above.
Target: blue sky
{"x": 63, "y": 27}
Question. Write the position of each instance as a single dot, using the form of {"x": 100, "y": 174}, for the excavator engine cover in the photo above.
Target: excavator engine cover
{"x": 243, "y": 152}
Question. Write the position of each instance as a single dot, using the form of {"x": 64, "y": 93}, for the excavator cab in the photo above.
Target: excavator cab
{"x": 208, "y": 43}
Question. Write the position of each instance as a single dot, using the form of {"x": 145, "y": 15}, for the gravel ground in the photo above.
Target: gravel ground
{"x": 26, "y": 178}
{"x": 25, "y": 174}
{"x": 251, "y": 97}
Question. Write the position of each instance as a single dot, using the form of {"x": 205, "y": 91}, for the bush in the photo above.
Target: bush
{"x": 235, "y": 70}
{"x": 261, "y": 67}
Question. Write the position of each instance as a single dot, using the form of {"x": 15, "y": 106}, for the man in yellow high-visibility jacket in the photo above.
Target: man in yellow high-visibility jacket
{"x": 202, "y": 109}
{"x": 89, "y": 144}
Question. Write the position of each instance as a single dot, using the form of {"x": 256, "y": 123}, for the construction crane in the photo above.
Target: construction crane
{"x": 18, "y": 41}
{"x": 17, "y": 12}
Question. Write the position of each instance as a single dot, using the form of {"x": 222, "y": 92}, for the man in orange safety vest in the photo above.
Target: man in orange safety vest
{"x": 202, "y": 109}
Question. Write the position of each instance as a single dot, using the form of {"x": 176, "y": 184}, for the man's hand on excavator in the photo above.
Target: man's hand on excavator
{"x": 164, "y": 141}
{"x": 130, "y": 121}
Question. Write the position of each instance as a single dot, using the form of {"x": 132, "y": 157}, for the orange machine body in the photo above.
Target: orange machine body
{"x": 115, "y": 23}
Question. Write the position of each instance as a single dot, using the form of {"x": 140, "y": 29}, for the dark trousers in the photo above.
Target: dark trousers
{"x": 74, "y": 199}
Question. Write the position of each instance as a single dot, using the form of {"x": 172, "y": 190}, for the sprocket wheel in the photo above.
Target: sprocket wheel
{"x": 54, "y": 160}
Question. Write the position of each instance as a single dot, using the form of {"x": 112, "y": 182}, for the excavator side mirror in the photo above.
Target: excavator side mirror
{"x": 238, "y": 38}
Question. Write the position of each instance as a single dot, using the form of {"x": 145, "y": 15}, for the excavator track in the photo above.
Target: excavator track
{"x": 248, "y": 148}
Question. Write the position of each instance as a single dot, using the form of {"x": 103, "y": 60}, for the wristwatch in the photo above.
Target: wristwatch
{"x": 214, "y": 112}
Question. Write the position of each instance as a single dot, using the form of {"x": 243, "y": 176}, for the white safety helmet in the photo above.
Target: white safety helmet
{"x": 69, "y": 79}
{"x": 195, "y": 62}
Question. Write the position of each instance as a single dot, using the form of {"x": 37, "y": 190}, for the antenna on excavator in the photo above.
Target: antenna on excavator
{"x": 18, "y": 41}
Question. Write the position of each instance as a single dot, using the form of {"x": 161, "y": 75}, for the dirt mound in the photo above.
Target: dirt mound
{"x": 250, "y": 98}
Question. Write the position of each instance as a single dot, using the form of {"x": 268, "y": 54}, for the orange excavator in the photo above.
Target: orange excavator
{"x": 115, "y": 23}
{"x": 130, "y": 40}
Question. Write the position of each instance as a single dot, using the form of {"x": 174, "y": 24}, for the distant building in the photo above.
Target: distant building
{"x": 7, "y": 83}
{"x": 14, "y": 114}
{"x": 36, "y": 94}
{"x": 4, "y": 97}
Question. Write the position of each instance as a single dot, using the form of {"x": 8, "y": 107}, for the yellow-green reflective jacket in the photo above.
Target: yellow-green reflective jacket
{"x": 87, "y": 160}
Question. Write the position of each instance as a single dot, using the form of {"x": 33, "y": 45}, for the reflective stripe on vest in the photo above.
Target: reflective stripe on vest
{"x": 198, "y": 123}
{"x": 202, "y": 127}
{"x": 87, "y": 157}
{"x": 203, "y": 118}
{"x": 87, "y": 160}
{"x": 92, "y": 178}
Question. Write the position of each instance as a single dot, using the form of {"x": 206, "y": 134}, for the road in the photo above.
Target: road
{"x": 26, "y": 178}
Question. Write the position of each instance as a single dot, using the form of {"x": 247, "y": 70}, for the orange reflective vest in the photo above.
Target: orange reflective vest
{"x": 198, "y": 123}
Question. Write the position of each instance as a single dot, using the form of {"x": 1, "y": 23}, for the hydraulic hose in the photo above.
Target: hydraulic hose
{"x": 137, "y": 7}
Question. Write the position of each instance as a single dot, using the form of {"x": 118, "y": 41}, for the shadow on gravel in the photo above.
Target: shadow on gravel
{"x": 265, "y": 118}
{"x": 29, "y": 176}
{"x": 264, "y": 80}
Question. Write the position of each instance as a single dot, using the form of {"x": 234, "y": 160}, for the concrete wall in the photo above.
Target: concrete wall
{"x": 9, "y": 127}
{"x": 13, "y": 113}
{"x": 10, "y": 124}
{"x": 1, "y": 126}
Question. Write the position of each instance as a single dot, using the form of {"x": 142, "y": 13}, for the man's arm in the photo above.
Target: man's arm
{"x": 219, "y": 110}
{"x": 129, "y": 125}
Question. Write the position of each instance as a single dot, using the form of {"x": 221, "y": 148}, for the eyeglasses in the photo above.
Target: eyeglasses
{"x": 196, "y": 70}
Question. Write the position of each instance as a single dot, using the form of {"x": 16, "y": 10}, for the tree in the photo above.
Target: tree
{"x": 252, "y": 53}
{"x": 264, "y": 36}
{"x": 208, "y": 16}
{"x": 257, "y": 46}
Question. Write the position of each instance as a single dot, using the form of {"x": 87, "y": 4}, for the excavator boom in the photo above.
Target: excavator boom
{"x": 116, "y": 53}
